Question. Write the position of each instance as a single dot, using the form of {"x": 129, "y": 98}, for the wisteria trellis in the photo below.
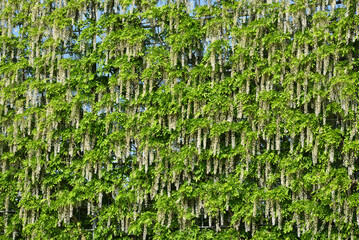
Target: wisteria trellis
{"x": 179, "y": 119}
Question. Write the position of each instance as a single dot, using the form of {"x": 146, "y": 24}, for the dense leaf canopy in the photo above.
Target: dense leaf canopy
{"x": 145, "y": 119}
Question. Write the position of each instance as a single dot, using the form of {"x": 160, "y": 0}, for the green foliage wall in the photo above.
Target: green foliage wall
{"x": 179, "y": 119}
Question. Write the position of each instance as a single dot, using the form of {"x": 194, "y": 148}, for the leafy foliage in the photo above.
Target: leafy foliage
{"x": 179, "y": 119}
